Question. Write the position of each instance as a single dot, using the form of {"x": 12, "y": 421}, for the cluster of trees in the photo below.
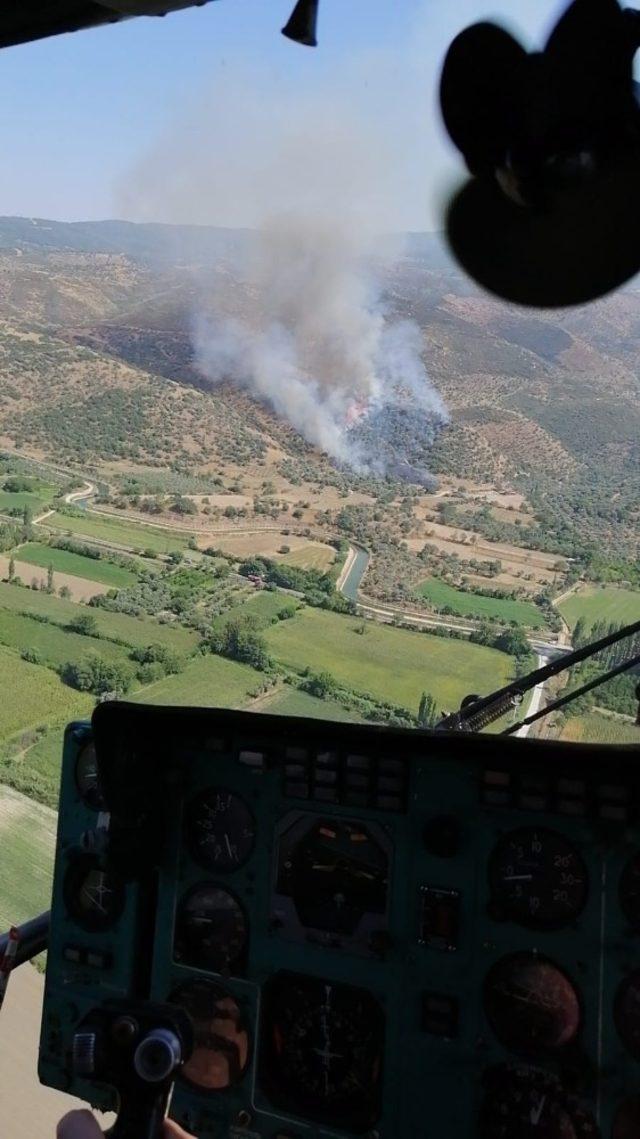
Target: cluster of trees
{"x": 156, "y": 661}
{"x": 510, "y": 640}
{"x": 317, "y": 588}
{"x": 428, "y": 714}
{"x": 618, "y": 694}
{"x": 92, "y": 673}
{"x": 240, "y": 639}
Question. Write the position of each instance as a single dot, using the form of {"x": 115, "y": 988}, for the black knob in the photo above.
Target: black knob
{"x": 442, "y": 836}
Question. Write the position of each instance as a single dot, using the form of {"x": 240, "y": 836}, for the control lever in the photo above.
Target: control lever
{"x": 137, "y": 1048}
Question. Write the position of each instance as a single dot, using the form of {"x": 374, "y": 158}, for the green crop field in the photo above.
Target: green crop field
{"x": 597, "y": 729}
{"x": 27, "y": 838}
{"x": 291, "y": 702}
{"x": 208, "y": 681}
{"x": 37, "y": 501}
{"x": 54, "y": 643}
{"x": 391, "y": 664}
{"x": 120, "y": 532}
{"x": 475, "y": 605}
{"x": 267, "y": 603}
{"x": 33, "y": 694}
{"x": 64, "y": 561}
{"x": 601, "y": 603}
{"x": 34, "y": 767}
{"x": 132, "y": 631}
{"x": 313, "y": 556}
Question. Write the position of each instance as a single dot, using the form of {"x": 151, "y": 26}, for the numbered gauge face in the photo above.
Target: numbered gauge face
{"x": 211, "y": 929}
{"x": 531, "y": 1004}
{"x": 94, "y": 897}
{"x": 537, "y": 878}
{"x": 220, "y": 830}
{"x": 221, "y": 1052}
{"x": 629, "y": 891}
{"x": 321, "y": 1050}
{"x": 532, "y": 1105}
{"x": 626, "y": 1121}
{"x": 626, "y": 1013}
{"x": 87, "y": 780}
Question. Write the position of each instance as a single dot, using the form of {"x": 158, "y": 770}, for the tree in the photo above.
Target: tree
{"x": 513, "y": 641}
{"x": 94, "y": 674}
{"x": 427, "y": 711}
{"x": 12, "y": 568}
{"x": 86, "y": 624}
{"x": 320, "y": 684}
{"x": 580, "y": 633}
{"x": 65, "y": 592}
{"x": 50, "y": 582}
{"x": 239, "y": 639}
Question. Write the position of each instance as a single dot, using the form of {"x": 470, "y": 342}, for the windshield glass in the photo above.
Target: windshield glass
{"x": 264, "y": 444}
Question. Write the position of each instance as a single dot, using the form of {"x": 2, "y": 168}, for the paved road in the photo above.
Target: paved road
{"x": 535, "y": 700}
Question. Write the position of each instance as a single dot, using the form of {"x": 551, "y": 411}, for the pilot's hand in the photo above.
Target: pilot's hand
{"x": 84, "y": 1125}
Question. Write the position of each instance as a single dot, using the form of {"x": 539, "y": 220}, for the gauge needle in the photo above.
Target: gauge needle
{"x": 228, "y": 844}
{"x": 536, "y": 1112}
{"x": 94, "y": 897}
{"x": 519, "y": 878}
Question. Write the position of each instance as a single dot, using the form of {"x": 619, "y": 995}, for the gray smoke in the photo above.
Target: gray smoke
{"x": 316, "y": 346}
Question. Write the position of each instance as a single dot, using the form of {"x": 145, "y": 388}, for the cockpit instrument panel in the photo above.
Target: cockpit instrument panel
{"x": 375, "y": 932}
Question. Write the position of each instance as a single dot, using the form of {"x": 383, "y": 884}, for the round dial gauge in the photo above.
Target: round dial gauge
{"x": 629, "y": 891}
{"x": 87, "y": 780}
{"x": 221, "y": 1050}
{"x": 211, "y": 929}
{"x": 220, "y": 830}
{"x": 537, "y": 878}
{"x": 530, "y": 1004}
{"x": 93, "y": 896}
{"x": 322, "y": 1046}
{"x": 626, "y": 1121}
{"x": 626, "y": 1013}
{"x": 532, "y": 1105}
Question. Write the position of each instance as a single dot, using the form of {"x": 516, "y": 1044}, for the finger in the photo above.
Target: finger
{"x": 174, "y": 1131}
{"x": 79, "y": 1125}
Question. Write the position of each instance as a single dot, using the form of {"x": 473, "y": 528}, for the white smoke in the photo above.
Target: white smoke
{"x": 316, "y": 346}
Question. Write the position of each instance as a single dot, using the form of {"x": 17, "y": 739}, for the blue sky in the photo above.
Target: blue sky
{"x": 189, "y": 117}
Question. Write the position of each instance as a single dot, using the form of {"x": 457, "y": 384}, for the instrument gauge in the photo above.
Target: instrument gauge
{"x": 221, "y": 1049}
{"x": 629, "y": 891}
{"x": 211, "y": 929}
{"x": 531, "y": 1005}
{"x": 321, "y": 1050}
{"x": 626, "y": 1013}
{"x": 93, "y": 896}
{"x": 537, "y": 879}
{"x": 87, "y": 778}
{"x": 531, "y": 1105}
{"x": 220, "y": 830}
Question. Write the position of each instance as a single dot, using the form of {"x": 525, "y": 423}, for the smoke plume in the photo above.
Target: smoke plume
{"x": 317, "y": 348}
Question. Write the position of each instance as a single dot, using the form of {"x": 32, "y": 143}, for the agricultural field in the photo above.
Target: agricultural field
{"x": 27, "y": 838}
{"x": 64, "y": 561}
{"x": 440, "y": 594}
{"x": 33, "y": 694}
{"x": 208, "y": 681}
{"x": 594, "y": 728}
{"x": 315, "y": 555}
{"x": 54, "y": 643}
{"x": 601, "y": 603}
{"x": 30, "y": 762}
{"x": 134, "y": 631}
{"x": 36, "y": 501}
{"x": 391, "y": 664}
{"x": 118, "y": 532}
